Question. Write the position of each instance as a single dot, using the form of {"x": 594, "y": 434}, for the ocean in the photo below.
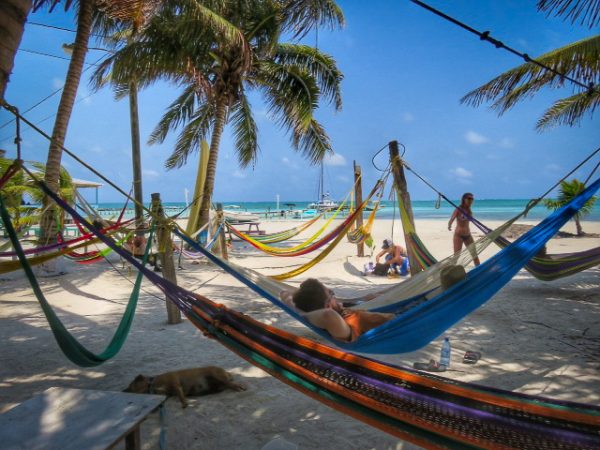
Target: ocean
{"x": 422, "y": 209}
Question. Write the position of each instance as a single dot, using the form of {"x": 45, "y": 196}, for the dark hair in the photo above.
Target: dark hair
{"x": 311, "y": 295}
{"x": 463, "y": 204}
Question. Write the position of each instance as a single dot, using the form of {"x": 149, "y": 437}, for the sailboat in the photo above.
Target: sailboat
{"x": 325, "y": 203}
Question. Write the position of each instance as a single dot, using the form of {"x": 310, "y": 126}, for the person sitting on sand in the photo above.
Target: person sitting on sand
{"x": 319, "y": 305}
{"x": 462, "y": 232}
{"x": 395, "y": 255}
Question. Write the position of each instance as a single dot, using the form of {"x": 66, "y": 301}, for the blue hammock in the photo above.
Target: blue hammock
{"x": 419, "y": 320}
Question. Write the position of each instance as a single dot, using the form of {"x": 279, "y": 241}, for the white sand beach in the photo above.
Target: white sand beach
{"x": 535, "y": 337}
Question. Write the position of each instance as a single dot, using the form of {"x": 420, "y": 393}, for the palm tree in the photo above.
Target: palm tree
{"x": 216, "y": 76}
{"x": 579, "y": 60}
{"x": 568, "y": 190}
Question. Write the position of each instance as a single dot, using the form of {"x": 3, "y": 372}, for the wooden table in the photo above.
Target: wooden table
{"x": 77, "y": 419}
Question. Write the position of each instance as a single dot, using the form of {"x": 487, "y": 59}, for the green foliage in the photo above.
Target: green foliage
{"x": 195, "y": 47}
{"x": 568, "y": 190}
{"x": 579, "y": 60}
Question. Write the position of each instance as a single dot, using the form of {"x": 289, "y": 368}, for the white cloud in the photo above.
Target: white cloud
{"x": 475, "y": 138}
{"x": 150, "y": 173}
{"x": 238, "y": 174}
{"x": 408, "y": 117}
{"x": 286, "y": 162}
{"x": 552, "y": 167}
{"x": 342, "y": 178}
{"x": 57, "y": 83}
{"x": 97, "y": 149}
{"x": 334, "y": 159}
{"x": 461, "y": 173}
{"x": 507, "y": 143}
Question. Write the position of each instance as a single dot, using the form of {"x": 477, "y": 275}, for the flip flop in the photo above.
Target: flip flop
{"x": 431, "y": 366}
{"x": 471, "y": 357}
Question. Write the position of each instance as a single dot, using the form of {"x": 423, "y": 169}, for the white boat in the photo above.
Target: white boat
{"x": 234, "y": 215}
{"x": 325, "y": 204}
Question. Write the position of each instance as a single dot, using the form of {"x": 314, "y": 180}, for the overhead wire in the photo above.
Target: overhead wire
{"x": 485, "y": 36}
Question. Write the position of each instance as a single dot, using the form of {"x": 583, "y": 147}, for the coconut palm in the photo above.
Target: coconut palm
{"x": 567, "y": 191}
{"x": 216, "y": 77}
{"x": 579, "y": 60}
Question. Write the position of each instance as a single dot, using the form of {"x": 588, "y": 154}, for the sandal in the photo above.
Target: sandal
{"x": 431, "y": 366}
{"x": 471, "y": 357}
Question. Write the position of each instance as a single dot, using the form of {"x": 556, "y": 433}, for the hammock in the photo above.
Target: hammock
{"x": 362, "y": 233}
{"x": 197, "y": 255}
{"x": 422, "y": 318}
{"x": 301, "y": 249}
{"x": 285, "y": 235}
{"x": 546, "y": 267}
{"x": 550, "y": 267}
{"x": 95, "y": 255}
{"x": 424, "y": 409}
{"x": 72, "y": 349}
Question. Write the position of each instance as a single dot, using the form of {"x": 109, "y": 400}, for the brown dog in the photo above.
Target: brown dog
{"x": 186, "y": 382}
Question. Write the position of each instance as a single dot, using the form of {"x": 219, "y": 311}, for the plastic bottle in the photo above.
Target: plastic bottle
{"x": 445, "y": 354}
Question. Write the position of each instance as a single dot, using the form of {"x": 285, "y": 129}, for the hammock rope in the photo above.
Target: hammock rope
{"x": 427, "y": 410}
{"x": 72, "y": 349}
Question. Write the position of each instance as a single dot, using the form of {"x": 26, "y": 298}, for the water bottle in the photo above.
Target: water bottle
{"x": 445, "y": 353}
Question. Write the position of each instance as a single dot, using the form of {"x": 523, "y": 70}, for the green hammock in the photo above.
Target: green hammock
{"x": 72, "y": 349}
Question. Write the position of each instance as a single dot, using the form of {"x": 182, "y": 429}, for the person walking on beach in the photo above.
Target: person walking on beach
{"x": 462, "y": 232}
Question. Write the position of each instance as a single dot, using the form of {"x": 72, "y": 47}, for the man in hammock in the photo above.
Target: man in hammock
{"x": 319, "y": 306}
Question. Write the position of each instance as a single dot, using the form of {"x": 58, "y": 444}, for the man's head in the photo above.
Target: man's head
{"x": 387, "y": 244}
{"x": 311, "y": 295}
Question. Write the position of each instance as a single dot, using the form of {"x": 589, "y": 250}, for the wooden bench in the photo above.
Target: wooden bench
{"x": 77, "y": 419}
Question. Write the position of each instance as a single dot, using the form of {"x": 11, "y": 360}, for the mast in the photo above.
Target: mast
{"x": 321, "y": 188}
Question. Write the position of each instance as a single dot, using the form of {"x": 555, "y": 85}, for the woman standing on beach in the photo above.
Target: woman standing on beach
{"x": 462, "y": 232}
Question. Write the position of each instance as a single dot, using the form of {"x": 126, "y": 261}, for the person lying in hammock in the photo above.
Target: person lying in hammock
{"x": 318, "y": 305}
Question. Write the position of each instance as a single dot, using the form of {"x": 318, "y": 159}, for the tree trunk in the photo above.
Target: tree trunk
{"x": 136, "y": 159}
{"x": 13, "y": 15}
{"x": 578, "y": 226}
{"x": 211, "y": 168}
{"x": 48, "y": 224}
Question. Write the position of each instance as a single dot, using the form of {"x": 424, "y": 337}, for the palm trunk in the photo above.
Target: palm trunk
{"x": 578, "y": 226}
{"x": 84, "y": 24}
{"x": 211, "y": 168}
{"x": 13, "y": 15}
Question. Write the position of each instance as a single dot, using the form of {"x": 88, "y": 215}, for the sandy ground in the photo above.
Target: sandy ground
{"x": 535, "y": 337}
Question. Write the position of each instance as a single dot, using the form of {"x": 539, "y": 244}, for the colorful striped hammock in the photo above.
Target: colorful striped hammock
{"x": 424, "y": 409}
{"x": 285, "y": 235}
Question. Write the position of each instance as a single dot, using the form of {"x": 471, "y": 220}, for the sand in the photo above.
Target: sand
{"x": 535, "y": 337}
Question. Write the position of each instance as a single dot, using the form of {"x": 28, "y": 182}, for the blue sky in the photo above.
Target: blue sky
{"x": 405, "y": 70}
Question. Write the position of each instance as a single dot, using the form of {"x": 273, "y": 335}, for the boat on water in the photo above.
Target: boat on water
{"x": 324, "y": 204}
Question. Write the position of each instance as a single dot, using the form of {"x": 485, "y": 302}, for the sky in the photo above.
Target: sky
{"x": 405, "y": 70}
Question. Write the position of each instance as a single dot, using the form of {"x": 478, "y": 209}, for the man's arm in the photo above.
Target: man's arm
{"x": 331, "y": 321}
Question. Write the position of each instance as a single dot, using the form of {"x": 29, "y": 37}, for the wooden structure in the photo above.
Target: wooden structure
{"x": 358, "y": 198}
{"x": 77, "y": 419}
{"x": 404, "y": 197}
{"x": 165, "y": 253}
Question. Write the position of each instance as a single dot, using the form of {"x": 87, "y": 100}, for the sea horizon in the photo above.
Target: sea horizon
{"x": 484, "y": 209}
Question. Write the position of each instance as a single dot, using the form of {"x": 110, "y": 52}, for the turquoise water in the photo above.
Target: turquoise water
{"x": 422, "y": 209}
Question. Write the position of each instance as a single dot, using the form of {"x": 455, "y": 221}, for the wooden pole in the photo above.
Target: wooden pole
{"x": 165, "y": 253}
{"x": 222, "y": 242}
{"x": 404, "y": 199}
{"x": 136, "y": 159}
{"x": 358, "y": 196}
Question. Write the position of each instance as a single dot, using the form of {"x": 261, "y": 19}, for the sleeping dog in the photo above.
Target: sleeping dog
{"x": 186, "y": 382}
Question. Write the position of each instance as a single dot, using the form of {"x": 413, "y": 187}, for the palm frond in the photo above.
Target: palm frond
{"x": 178, "y": 112}
{"x": 313, "y": 142}
{"x": 301, "y": 16}
{"x": 570, "y": 110}
{"x": 245, "y": 132}
{"x": 192, "y": 135}
{"x": 318, "y": 64}
{"x": 588, "y": 10}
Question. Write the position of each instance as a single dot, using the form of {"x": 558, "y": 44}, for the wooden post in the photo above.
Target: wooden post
{"x": 222, "y": 241}
{"x": 165, "y": 253}
{"x": 404, "y": 198}
{"x": 358, "y": 197}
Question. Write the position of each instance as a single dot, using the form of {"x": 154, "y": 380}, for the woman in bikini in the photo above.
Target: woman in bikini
{"x": 462, "y": 233}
